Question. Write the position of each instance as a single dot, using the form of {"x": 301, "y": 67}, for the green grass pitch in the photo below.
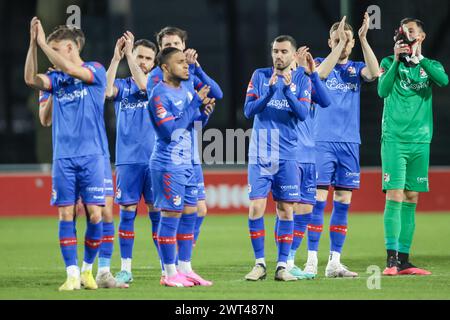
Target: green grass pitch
{"x": 31, "y": 266}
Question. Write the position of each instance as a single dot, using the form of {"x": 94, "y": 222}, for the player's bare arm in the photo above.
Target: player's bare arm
{"x": 111, "y": 89}
{"x": 32, "y": 78}
{"x": 46, "y": 113}
{"x": 136, "y": 71}
{"x": 372, "y": 69}
{"x": 192, "y": 57}
{"x": 330, "y": 62}
{"x": 75, "y": 70}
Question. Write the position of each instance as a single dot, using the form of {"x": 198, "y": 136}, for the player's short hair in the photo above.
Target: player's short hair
{"x": 335, "y": 26}
{"x": 418, "y": 22}
{"x": 284, "y": 38}
{"x": 145, "y": 43}
{"x": 165, "y": 54}
{"x": 171, "y": 31}
{"x": 81, "y": 38}
{"x": 64, "y": 32}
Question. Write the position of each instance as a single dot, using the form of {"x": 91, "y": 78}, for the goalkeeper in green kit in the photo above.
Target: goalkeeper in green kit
{"x": 406, "y": 84}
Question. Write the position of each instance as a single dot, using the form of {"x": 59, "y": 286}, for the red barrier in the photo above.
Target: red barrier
{"x": 29, "y": 194}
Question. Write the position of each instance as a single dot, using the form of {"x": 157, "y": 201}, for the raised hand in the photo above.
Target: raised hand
{"x": 33, "y": 30}
{"x": 301, "y": 58}
{"x": 129, "y": 43}
{"x": 191, "y": 56}
{"x": 203, "y": 93}
{"x": 273, "y": 79}
{"x": 400, "y": 48}
{"x": 209, "y": 104}
{"x": 341, "y": 31}
{"x": 40, "y": 37}
{"x": 311, "y": 64}
{"x": 365, "y": 27}
{"x": 209, "y": 108}
{"x": 287, "y": 78}
{"x": 119, "y": 49}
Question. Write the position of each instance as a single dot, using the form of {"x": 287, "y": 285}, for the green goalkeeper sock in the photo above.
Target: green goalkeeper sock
{"x": 408, "y": 225}
{"x": 392, "y": 222}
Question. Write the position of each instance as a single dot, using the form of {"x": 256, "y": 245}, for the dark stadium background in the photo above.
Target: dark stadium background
{"x": 232, "y": 38}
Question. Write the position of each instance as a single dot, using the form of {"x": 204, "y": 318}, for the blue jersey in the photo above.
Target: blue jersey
{"x": 341, "y": 122}
{"x": 278, "y": 112}
{"x": 320, "y": 98}
{"x": 135, "y": 137}
{"x": 78, "y": 109}
{"x": 173, "y": 112}
{"x": 199, "y": 79}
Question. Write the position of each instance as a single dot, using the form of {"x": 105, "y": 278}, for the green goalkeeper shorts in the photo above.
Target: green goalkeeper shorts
{"x": 405, "y": 166}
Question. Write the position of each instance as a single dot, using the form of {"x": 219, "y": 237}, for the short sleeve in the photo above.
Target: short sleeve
{"x": 98, "y": 73}
{"x": 359, "y": 67}
{"x": 44, "y": 96}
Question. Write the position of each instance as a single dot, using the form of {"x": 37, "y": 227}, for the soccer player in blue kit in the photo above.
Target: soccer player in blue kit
{"x": 172, "y": 37}
{"x": 104, "y": 277}
{"x": 78, "y": 153}
{"x": 279, "y": 100}
{"x": 135, "y": 138}
{"x": 304, "y": 63}
{"x": 338, "y": 140}
{"x": 174, "y": 107}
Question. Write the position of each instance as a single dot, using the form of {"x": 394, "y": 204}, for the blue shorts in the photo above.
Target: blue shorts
{"x": 133, "y": 182}
{"x": 266, "y": 177}
{"x": 308, "y": 185}
{"x": 200, "y": 182}
{"x": 81, "y": 176}
{"x": 109, "y": 184}
{"x": 173, "y": 190}
{"x": 338, "y": 164}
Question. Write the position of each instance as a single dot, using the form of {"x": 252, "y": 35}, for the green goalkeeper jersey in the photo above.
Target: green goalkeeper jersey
{"x": 407, "y": 93}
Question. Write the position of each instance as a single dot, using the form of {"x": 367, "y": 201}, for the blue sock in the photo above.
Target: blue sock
{"x": 277, "y": 221}
{"x": 92, "y": 242}
{"x": 301, "y": 222}
{"x": 315, "y": 227}
{"x": 338, "y": 226}
{"x": 198, "y": 225}
{"x": 257, "y": 235}
{"x": 185, "y": 236}
{"x": 68, "y": 243}
{"x": 155, "y": 217}
{"x": 106, "y": 248}
{"x": 126, "y": 233}
{"x": 285, "y": 234}
{"x": 167, "y": 239}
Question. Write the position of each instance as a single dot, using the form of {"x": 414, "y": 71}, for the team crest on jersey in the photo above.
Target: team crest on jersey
{"x": 177, "y": 201}
{"x": 387, "y": 177}
{"x": 293, "y": 87}
{"x": 423, "y": 74}
{"x": 351, "y": 71}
